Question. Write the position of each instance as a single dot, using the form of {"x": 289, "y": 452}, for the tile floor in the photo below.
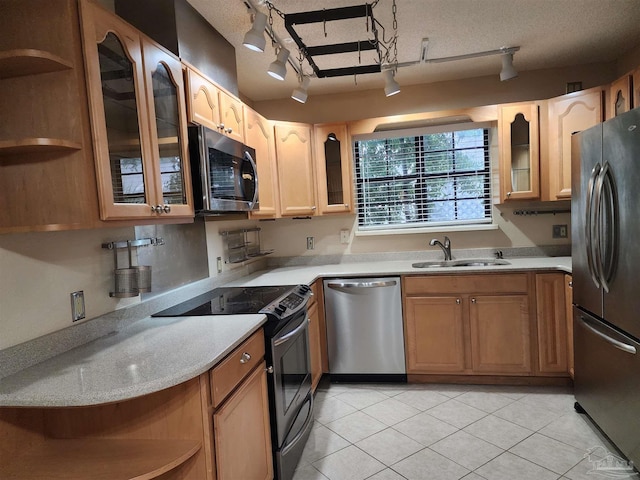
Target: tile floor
{"x": 449, "y": 432}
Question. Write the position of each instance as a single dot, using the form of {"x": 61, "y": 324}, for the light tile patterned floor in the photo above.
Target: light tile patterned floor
{"x": 449, "y": 432}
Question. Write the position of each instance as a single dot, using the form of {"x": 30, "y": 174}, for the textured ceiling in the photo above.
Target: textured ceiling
{"x": 550, "y": 33}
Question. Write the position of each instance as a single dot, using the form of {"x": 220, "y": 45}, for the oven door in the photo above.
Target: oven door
{"x": 291, "y": 372}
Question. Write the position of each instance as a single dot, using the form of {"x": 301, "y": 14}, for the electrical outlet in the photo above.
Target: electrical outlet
{"x": 344, "y": 236}
{"x": 219, "y": 264}
{"x": 310, "y": 243}
{"x": 560, "y": 231}
{"x": 77, "y": 306}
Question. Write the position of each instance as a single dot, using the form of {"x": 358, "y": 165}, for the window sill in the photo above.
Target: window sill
{"x": 440, "y": 229}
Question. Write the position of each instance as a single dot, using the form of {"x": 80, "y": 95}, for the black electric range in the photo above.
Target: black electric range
{"x": 279, "y": 303}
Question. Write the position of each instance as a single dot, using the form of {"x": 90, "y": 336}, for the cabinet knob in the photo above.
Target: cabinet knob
{"x": 245, "y": 357}
{"x": 508, "y": 194}
{"x": 473, "y": 300}
{"x": 157, "y": 209}
{"x": 457, "y": 301}
{"x": 229, "y": 130}
{"x": 313, "y": 208}
{"x": 269, "y": 369}
{"x": 571, "y": 284}
{"x": 221, "y": 126}
{"x": 166, "y": 209}
{"x": 346, "y": 205}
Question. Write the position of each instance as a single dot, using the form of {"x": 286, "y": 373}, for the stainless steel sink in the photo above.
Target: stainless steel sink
{"x": 465, "y": 262}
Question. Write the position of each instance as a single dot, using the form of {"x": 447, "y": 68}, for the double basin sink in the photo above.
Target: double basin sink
{"x": 465, "y": 262}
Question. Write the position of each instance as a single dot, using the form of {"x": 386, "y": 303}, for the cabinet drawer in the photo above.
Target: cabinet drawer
{"x": 238, "y": 364}
{"x": 486, "y": 283}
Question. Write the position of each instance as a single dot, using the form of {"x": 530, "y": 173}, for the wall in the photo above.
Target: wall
{"x": 471, "y": 92}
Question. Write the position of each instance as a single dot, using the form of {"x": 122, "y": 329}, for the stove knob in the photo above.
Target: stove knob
{"x": 280, "y": 309}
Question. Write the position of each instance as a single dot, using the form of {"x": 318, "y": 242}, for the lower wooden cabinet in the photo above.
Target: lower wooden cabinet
{"x": 552, "y": 325}
{"x": 568, "y": 301}
{"x": 500, "y": 334}
{"x": 242, "y": 433}
{"x": 317, "y": 335}
{"x": 468, "y": 325}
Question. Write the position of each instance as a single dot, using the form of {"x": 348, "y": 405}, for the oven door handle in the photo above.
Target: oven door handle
{"x": 292, "y": 443}
{"x": 292, "y": 333}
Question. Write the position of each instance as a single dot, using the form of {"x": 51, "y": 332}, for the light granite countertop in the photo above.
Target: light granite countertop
{"x": 149, "y": 355}
{"x": 157, "y": 353}
{"x": 308, "y": 274}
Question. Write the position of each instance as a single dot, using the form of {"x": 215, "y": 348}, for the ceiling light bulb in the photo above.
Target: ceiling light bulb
{"x": 391, "y": 87}
{"x": 300, "y": 94}
{"x": 254, "y": 38}
{"x": 508, "y": 71}
{"x": 278, "y": 68}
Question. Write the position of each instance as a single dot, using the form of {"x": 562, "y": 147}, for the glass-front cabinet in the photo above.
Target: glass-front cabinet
{"x": 138, "y": 121}
{"x": 333, "y": 168}
{"x": 519, "y": 152}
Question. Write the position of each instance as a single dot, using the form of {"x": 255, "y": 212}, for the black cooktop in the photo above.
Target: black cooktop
{"x": 227, "y": 301}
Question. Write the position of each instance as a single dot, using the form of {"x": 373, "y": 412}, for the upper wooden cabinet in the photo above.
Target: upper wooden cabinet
{"x": 620, "y": 96}
{"x": 212, "y": 107}
{"x": 519, "y": 142}
{"x": 566, "y": 115}
{"x": 259, "y": 135}
{"x": 333, "y": 168}
{"x": 294, "y": 153}
{"x": 138, "y": 121}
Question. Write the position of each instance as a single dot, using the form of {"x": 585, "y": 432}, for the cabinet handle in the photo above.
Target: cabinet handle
{"x": 473, "y": 300}
{"x": 166, "y": 209}
{"x": 245, "y": 357}
{"x": 457, "y": 301}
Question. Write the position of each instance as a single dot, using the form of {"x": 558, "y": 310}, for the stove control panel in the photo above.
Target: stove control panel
{"x": 289, "y": 304}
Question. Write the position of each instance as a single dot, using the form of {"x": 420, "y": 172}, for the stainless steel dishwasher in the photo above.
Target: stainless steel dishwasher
{"x": 364, "y": 329}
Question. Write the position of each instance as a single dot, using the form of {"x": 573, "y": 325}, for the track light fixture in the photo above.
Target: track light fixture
{"x": 508, "y": 71}
{"x": 254, "y": 38}
{"x": 391, "y": 87}
{"x": 278, "y": 68}
{"x": 300, "y": 94}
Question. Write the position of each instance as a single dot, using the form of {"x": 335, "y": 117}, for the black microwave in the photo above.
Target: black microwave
{"x": 223, "y": 172}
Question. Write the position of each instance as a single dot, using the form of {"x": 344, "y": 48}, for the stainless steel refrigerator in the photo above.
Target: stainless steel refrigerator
{"x": 605, "y": 228}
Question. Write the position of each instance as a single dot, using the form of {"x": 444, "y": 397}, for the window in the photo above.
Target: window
{"x": 427, "y": 178}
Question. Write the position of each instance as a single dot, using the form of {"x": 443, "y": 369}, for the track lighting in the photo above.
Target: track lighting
{"x": 278, "y": 68}
{"x": 508, "y": 71}
{"x": 254, "y": 38}
{"x": 391, "y": 87}
{"x": 300, "y": 94}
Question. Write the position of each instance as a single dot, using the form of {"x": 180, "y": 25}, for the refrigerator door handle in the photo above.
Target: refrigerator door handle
{"x": 590, "y": 235}
{"x": 592, "y": 327}
{"x": 597, "y": 227}
{"x": 611, "y": 252}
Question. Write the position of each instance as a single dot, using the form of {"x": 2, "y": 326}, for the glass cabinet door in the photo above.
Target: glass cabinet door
{"x": 519, "y": 152}
{"x": 119, "y": 118}
{"x": 333, "y": 168}
{"x": 163, "y": 75}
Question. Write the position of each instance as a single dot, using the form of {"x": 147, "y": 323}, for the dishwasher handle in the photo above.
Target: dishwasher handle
{"x": 376, "y": 284}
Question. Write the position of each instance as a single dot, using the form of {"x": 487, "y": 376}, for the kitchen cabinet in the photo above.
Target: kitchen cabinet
{"x": 519, "y": 145}
{"x": 568, "y": 299}
{"x": 45, "y": 146}
{"x": 468, "y": 324}
{"x": 620, "y": 96}
{"x": 241, "y": 432}
{"x": 551, "y": 322}
{"x": 294, "y": 154}
{"x": 566, "y": 115}
{"x": 211, "y": 106}
{"x": 333, "y": 168}
{"x": 635, "y": 81}
{"x": 259, "y": 135}
{"x": 138, "y": 120}
{"x": 317, "y": 335}
{"x": 159, "y": 435}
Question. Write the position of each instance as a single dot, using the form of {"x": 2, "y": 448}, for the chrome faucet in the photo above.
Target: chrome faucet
{"x": 446, "y": 248}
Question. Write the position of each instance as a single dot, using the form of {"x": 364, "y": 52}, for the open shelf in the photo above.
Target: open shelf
{"x": 16, "y": 63}
{"x": 34, "y": 145}
{"x": 99, "y": 459}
